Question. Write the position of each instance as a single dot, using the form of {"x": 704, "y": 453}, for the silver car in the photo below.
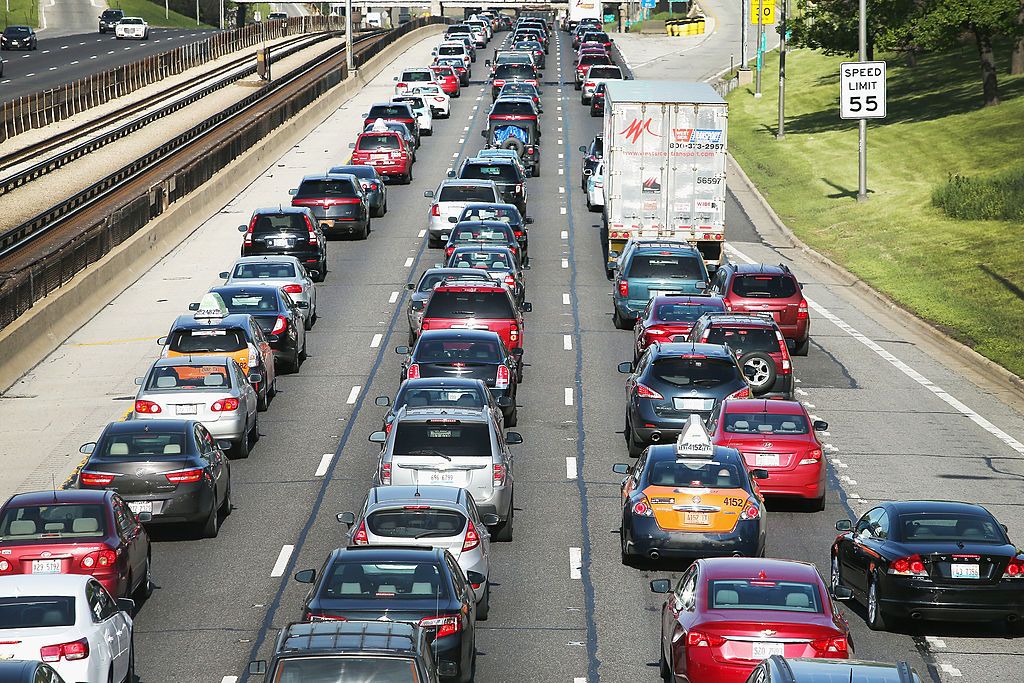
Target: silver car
{"x": 422, "y": 290}
{"x": 430, "y": 516}
{"x": 450, "y": 198}
{"x": 210, "y": 389}
{"x": 286, "y": 272}
{"x": 452, "y": 447}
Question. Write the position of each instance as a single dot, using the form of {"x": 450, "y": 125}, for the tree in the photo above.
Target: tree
{"x": 1017, "y": 57}
{"x": 832, "y": 25}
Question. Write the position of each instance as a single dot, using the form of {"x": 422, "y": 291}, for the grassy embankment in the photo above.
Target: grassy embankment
{"x": 22, "y": 13}
{"x": 153, "y": 13}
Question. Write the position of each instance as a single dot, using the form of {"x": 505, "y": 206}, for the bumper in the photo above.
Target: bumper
{"x": 498, "y": 393}
{"x": 666, "y": 431}
{"x": 500, "y": 502}
{"x": 781, "y": 388}
{"x": 391, "y": 170}
{"x": 337, "y": 226}
{"x": 904, "y": 597}
{"x": 805, "y": 481}
{"x": 798, "y": 332}
{"x": 228, "y": 428}
{"x": 702, "y": 666}
{"x": 185, "y": 507}
{"x": 645, "y": 537}
{"x": 628, "y": 310}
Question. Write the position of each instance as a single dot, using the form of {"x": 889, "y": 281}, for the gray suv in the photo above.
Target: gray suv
{"x": 452, "y": 447}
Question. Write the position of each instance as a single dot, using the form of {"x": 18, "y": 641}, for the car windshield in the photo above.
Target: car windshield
{"x": 449, "y": 437}
{"x": 494, "y": 305}
{"x": 266, "y": 270}
{"x": 281, "y": 222}
{"x": 466, "y": 193}
{"x": 464, "y": 352}
{"x": 112, "y": 14}
{"x": 433, "y": 279}
{"x": 415, "y": 521}
{"x": 254, "y": 303}
{"x": 37, "y": 612}
{"x": 665, "y": 265}
{"x": 684, "y": 312}
{"x": 745, "y": 340}
{"x": 485, "y": 213}
{"x": 332, "y": 669}
{"x": 385, "y": 111}
{"x": 694, "y": 372}
{"x": 604, "y": 71}
{"x": 950, "y": 527}
{"x": 16, "y": 31}
{"x": 361, "y": 580}
{"x": 587, "y": 60}
{"x": 512, "y": 108}
{"x": 189, "y": 378}
{"x": 485, "y": 260}
{"x": 765, "y": 423}
{"x": 517, "y": 88}
{"x": 524, "y": 71}
{"x": 149, "y": 444}
{"x": 762, "y": 594}
{"x": 416, "y": 76}
{"x": 499, "y": 173}
{"x": 32, "y": 522}
{"x": 131, "y": 21}
{"x": 443, "y": 71}
{"x": 595, "y": 36}
{"x": 764, "y": 286}
{"x": 478, "y": 233}
{"x": 695, "y": 473}
{"x": 451, "y": 50}
{"x": 315, "y": 189}
{"x": 360, "y": 171}
{"x": 207, "y": 341}
{"x": 369, "y": 142}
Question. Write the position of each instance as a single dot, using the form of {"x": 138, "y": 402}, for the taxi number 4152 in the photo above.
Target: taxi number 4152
{"x": 733, "y": 502}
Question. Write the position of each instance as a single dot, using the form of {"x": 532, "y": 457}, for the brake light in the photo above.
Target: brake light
{"x": 293, "y": 289}
{"x": 623, "y": 288}
{"x": 813, "y": 457}
{"x": 413, "y": 372}
{"x": 360, "y": 537}
{"x": 836, "y": 645}
{"x": 499, "y": 475}
{"x": 225, "y": 405}
{"x": 701, "y": 639}
{"x": 189, "y": 476}
{"x": 248, "y": 233}
{"x": 501, "y": 381}
{"x": 509, "y": 280}
{"x": 642, "y": 508}
{"x": 513, "y": 333}
{"x": 529, "y": 150}
{"x": 787, "y": 367}
{"x": 147, "y": 407}
{"x": 75, "y": 650}
{"x": 908, "y": 566}
{"x": 95, "y": 478}
{"x": 742, "y": 393}
{"x": 447, "y": 625}
{"x": 385, "y": 474}
{"x": 401, "y": 85}
{"x": 644, "y": 391}
{"x": 5, "y": 566}
{"x": 280, "y": 325}
{"x": 99, "y": 559}
{"x": 435, "y": 210}
{"x": 472, "y": 538}
{"x": 1014, "y": 570}
{"x": 801, "y": 311}
{"x": 655, "y": 331}
{"x": 448, "y": 251}
{"x": 752, "y": 511}
{"x": 588, "y": 85}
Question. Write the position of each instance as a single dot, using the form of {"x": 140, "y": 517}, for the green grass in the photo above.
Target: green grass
{"x": 23, "y": 13}
{"x": 153, "y": 13}
{"x": 965, "y": 276}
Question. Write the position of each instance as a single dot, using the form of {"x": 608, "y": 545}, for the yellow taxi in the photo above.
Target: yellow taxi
{"x": 691, "y": 499}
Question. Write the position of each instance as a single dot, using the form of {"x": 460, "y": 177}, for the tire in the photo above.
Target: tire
{"x": 272, "y": 390}
{"x": 514, "y": 144}
{"x": 663, "y": 668}
{"x": 225, "y": 505}
{"x": 145, "y": 587}
{"x": 635, "y": 447}
{"x": 263, "y": 402}
{"x": 211, "y": 527}
{"x": 303, "y": 355}
{"x": 765, "y": 371}
{"x": 594, "y": 113}
{"x": 503, "y": 532}
{"x": 241, "y": 449}
{"x": 816, "y": 504}
{"x": 590, "y": 207}
{"x": 803, "y": 347}
{"x": 377, "y": 213}
{"x": 255, "y": 430}
{"x": 876, "y": 616}
{"x": 513, "y": 419}
{"x": 483, "y": 607}
{"x": 619, "y": 322}
{"x": 835, "y": 577}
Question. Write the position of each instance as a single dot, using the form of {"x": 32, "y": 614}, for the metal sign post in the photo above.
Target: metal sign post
{"x": 760, "y": 32}
{"x": 862, "y": 96}
{"x": 781, "y": 131}
{"x": 745, "y": 4}
{"x": 348, "y": 36}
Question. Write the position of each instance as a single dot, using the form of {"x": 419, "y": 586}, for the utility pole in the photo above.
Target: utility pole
{"x": 744, "y": 13}
{"x": 781, "y": 132}
{"x": 220, "y": 16}
{"x": 862, "y": 144}
{"x": 197, "y": 12}
{"x": 348, "y": 36}
{"x": 760, "y": 39}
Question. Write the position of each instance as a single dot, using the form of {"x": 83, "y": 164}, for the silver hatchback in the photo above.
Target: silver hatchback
{"x": 286, "y": 272}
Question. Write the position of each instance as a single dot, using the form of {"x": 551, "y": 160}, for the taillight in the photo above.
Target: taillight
{"x": 187, "y": 476}
{"x": 435, "y": 210}
{"x": 75, "y": 650}
{"x": 655, "y": 331}
{"x": 360, "y": 537}
{"x": 751, "y": 511}
{"x": 701, "y": 639}
{"x": 225, "y": 405}
{"x": 787, "y": 367}
{"x": 95, "y": 478}
{"x": 100, "y": 559}
{"x": 1014, "y": 570}
{"x": 448, "y": 251}
{"x": 623, "y": 288}
{"x": 401, "y": 85}
{"x": 5, "y": 566}
{"x": 644, "y": 391}
{"x": 509, "y": 279}
{"x": 413, "y": 372}
{"x": 312, "y": 238}
{"x": 513, "y": 333}
{"x": 813, "y": 457}
{"x": 147, "y": 407}
{"x": 501, "y": 381}
{"x": 588, "y": 85}
{"x": 642, "y": 508}
{"x": 280, "y": 325}
{"x": 529, "y": 150}
{"x": 728, "y": 306}
{"x": 835, "y": 645}
{"x": 742, "y": 393}
{"x": 472, "y": 538}
{"x": 248, "y": 233}
{"x": 447, "y": 625}
{"x": 293, "y": 289}
{"x": 801, "y": 311}
{"x": 385, "y": 474}
{"x": 498, "y": 475}
{"x": 908, "y": 566}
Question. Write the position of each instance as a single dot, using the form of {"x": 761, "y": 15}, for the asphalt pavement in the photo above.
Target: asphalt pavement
{"x": 69, "y": 17}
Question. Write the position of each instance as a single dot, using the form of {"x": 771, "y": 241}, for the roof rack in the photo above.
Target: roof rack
{"x": 349, "y": 636}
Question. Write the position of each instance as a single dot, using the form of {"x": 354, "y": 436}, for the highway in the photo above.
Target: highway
{"x": 908, "y": 419}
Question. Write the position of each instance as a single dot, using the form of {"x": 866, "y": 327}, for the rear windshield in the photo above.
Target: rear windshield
{"x": 112, "y": 14}
{"x": 758, "y": 594}
{"x": 454, "y": 64}
{"x": 744, "y": 341}
{"x": 331, "y": 669}
{"x": 764, "y": 423}
{"x": 187, "y": 378}
{"x": 587, "y": 60}
{"x": 359, "y": 171}
{"x": 327, "y": 188}
{"x": 667, "y": 265}
{"x": 478, "y": 233}
{"x": 412, "y": 101}
{"x": 37, "y": 612}
{"x": 514, "y": 71}
{"x": 253, "y": 303}
{"x": 264, "y": 271}
{"x": 434, "y": 523}
{"x": 508, "y": 108}
{"x": 595, "y": 36}
{"x": 697, "y": 473}
{"x": 439, "y": 351}
{"x": 431, "y": 280}
{"x": 53, "y": 521}
{"x": 207, "y": 341}
{"x": 491, "y": 214}
{"x": 489, "y": 260}
{"x": 764, "y": 286}
{"x": 602, "y": 71}
{"x": 385, "y": 111}
{"x": 528, "y": 45}
{"x": 371, "y": 142}
{"x": 684, "y": 313}
{"x": 359, "y": 581}
{"x": 443, "y": 70}
{"x": 148, "y": 444}
{"x": 451, "y": 50}
{"x": 499, "y": 173}
{"x": 483, "y": 305}
{"x": 694, "y": 372}
{"x": 417, "y": 76}
{"x": 427, "y": 438}
{"x": 466, "y": 193}
{"x": 518, "y": 88}
{"x": 443, "y": 397}
{"x": 598, "y": 146}
{"x": 950, "y": 527}
{"x": 272, "y": 223}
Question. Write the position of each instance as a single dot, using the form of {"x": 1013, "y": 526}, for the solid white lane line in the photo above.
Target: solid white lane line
{"x": 393, "y": 298}
{"x": 282, "y": 560}
{"x": 354, "y": 394}
{"x": 568, "y": 396}
{"x": 325, "y": 462}
{"x": 408, "y": 261}
{"x": 570, "y": 467}
{"x": 422, "y": 232}
{"x": 565, "y": 299}
{"x": 375, "y": 342}
{"x": 575, "y": 563}
{"x": 567, "y": 342}
{"x": 565, "y": 263}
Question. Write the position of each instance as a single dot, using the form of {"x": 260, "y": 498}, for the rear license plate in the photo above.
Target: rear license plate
{"x": 185, "y": 410}
{"x": 280, "y": 243}
{"x": 138, "y": 506}
{"x": 965, "y": 571}
{"x": 688, "y": 403}
{"x": 766, "y": 459}
{"x": 46, "y": 566}
{"x": 766, "y": 650}
{"x": 442, "y": 478}
{"x": 697, "y": 518}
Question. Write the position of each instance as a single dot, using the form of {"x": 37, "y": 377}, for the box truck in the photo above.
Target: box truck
{"x": 582, "y": 9}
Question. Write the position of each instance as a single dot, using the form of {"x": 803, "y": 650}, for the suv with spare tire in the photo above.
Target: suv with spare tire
{"x": 759, "y": 347}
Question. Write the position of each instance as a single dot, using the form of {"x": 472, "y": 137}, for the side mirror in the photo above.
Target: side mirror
{"x": 528, "y": 220}
{"x": 403, "y": 350}
{"x": 258, "y": 667}
{"x": 476, "y": 578}
{"x": 243, "y": 228}
{"x": 255, "y": 378}
{"x": 759, "y": 474}
{"x": 144, "y": 517}
{"x": 844, "y": 525}
{"x": 162, "y": 341}
{"x": 224, "y": 445}
{"x": 487, "y": 62}
{"x": 351, "y": 145}
{"x": 428, "y": 193}
{"x": 583, "y": 148}
{"x": 346, "y": 518}
{"x": 453, "y": 219}
{"x": 820, "y": 426}
{"x": 620, "y": 468}
{"x": 527, "y": 307}
{"x": 378, "y": 437}
{"x": 842, "y": 593}
{"x": 139, "y": 381}
{"x": 625, "y": 367}
{"x": 529, "y": 173}
{"x": 483, "y": 133}
{"x": 445, "y": 237}
{"x": 225, "y": 274}
{"x": 305, "y": 576}
{"x": 446, "y": 669}
{"x": 193, "y": 306}
{"x": 293, "y": 191}
{"x": 661, "y": 586}
{"x": 587, "y": 172}
{"x": 451, "y": 174}
{"x": 712, "y": 269}
{"x": 382, "y": 401}
{"x": 395, "y": 78}
{"x": 504, "y": 401}
{"x": 87, "y": 448}
{"x": 749, "y": 371}
{"x": 363, "y": 115}
{"x": 513, "y": 438}
{"x": 490, "y": 519}
{"x": 126, "y": 605}
{"x": 411, "y": 286}
{"x": 301, "y": 304}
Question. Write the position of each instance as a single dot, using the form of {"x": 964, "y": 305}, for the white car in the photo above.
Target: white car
{"x": 456, "y": 50}
{"x": 450, "y": 198}
{"x": 133, "y": 28}
{"x": 438, "y": 101}
{"x": 286, "y": 272}
{"x": 420, "y": 110}
{"x": 411, "y": 78}
{"x": 595, "y": 188}
{"x": 70, "y": 622}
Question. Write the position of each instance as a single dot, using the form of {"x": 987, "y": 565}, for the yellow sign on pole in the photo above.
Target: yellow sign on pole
{"x": 765, "y": 9}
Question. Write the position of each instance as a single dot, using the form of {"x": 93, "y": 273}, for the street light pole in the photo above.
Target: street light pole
{"x": 348, "y": 35}
{"x": 760, "y": 38}
{"x": 862, "y": 143}
{"x": 781, "y": 132}
{"x": 744, "y": 12}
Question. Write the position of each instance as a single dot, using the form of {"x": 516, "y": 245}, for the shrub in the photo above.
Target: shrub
{"x": 998, "y": 197}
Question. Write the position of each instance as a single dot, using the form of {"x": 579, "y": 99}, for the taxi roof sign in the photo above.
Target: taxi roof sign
{"x": 212, "y": 307}
{"x": 694, "y": 441}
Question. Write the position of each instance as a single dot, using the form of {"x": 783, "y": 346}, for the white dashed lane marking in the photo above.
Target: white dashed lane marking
{"x": 575, "y": 563}
{"x": 282, "y": 560}
{"x": 567, "y": 342}
{"x": 565, "y": 263}
{"x": 565, "y": 299}
{"x": 354, "y": 394}
{"x": 393, "y": 298}
{"x": 325, "y": 462}
{"x": 568, "y": 396}
{"x": 375, "y": 342}
{"x": 408, "y": 261}
{"x": 570, "y": 467}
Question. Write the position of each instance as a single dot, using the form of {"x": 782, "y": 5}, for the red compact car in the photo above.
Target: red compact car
{"x": 386, "y": 152}
{"x": 76, "y": 532}
{"x": 780, "y": 438}
{"x": 758, "y": 287}
{"x": 670, "y": 319}
{"x": 587, "y": 60}
{"x": 446, "y": 77}
{"x": 727, "y": 614}
{"x": 476, "y": 307}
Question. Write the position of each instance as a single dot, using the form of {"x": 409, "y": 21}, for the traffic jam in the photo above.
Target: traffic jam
{"x": 713, "y": 429}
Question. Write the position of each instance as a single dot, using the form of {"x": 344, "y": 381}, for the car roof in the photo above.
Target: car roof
{"x": 482, "y": 249}
{"x": 155, "y": 426}
{"x": 379, "y": 637}
{"x": 489, "y": 161}
{"x": 466, "y": 182}
{"x": 425, "y": 413}
{"x": 243, "y": 288}
{"x": 388, "y": 553}
{"x": 761, "y": 268}
{"x": 688, "y": 298}
{"x": 662, "y": 245}
{"x": 58, "y": 497}
{"x": 18, "y": 585}
{"x": 451, "y": 382}
{"x": 681, "y": 348}
{"x": 766, "y": 406}
{"x": 417, "y": 495}
{"x": 420, "y": 69}
{"x": 492, "y": 205}
{"x": 739, "y": 320}
{"x": 280, "y": 209}
{"x": 752, "y": 567}
{"x": 804, "y": 669}
{"x": 268, "y": 258}
{"x": 330, "y": 176}
{"x": 469, "y": 335}
{"x": 910, "y": 506}
{"x": 483, "y": 222}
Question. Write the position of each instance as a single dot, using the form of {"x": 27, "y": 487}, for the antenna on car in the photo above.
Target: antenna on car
{"x": 53, "y": 483}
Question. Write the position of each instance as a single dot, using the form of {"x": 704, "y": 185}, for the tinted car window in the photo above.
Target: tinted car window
{"x": 743, "y": 341}
{"x": 698, "y": 372}
{"x": 465, "y": 193}
{"x": 251, "y": 302}
{"x": 385, "y": 111}
{"x": 950, "y": 527}
{"x": 207, "y": 341}
{"x": 511, "y": 108}
{"x": 684, "y": 313}
{"x": 463, "y": 398}
{"x": 109, "y": 14}
{"x": 439, "y": 351}
{"x": 491, "y": 214}
{"x": 325, "y": 669}
{"x": 499, "y": 173}
{"x": 424, "y": 438}
{"x": 416, "y": 76}
{"x": 359, "y": 580}
{"x": 482, "y": 259}
{"x": 415, "y": 523}
{"x": 149, "y": 443}
{"x": 764, "y": 286}
{"x": 265, "y": 270}
{"x": 269, "y": 223}
{"x": 37, "y": 612}
{"x": 665, "y": 266}
{"x": 54, "y": 521}
{"x": 764, "y": 423}
{"x": 451, "y": 50}
{"x": 414, "y": 102}
{"x": 16, "y": 31}
{"x": 595, "y": 36}
{"x": 699, "y": 473}
{"x": 328, "y": 188}
{"x": 587, "y": 60}
{"x": 188, "y": 378}
{"x": 603, "y": 71}
{"x": 746, "y": 594}
{"x": 478, "y": 233}
{"x": 514, "y": 71}
{"x": 483, "y": 305}
{"x": 369, "y": 142}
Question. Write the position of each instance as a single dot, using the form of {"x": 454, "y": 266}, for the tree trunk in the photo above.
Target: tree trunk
{"x": 989, "y": 82}
{"x": 1017, "y": 57}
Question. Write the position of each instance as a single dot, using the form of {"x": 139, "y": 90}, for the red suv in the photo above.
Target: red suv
{"x": 779, "y": 437}
{"x": 386, "y": 152}
{"x": 670, "y": 319}
{"x": 758, "y": 345}
{"x": 757, "y": 287}
{"x": 448, "y": 79}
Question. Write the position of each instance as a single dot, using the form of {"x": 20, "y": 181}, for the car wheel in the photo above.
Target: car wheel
{"x": 876, "y": 617}
{"x": 816, "y": 504}
{"x": 590, "y": 207}
{"x": 513, "y": 418}
{"x": 535, "y": 170}
{"x": 255, "y": 430}
{"x": 635, "y": 447}
{"x": 129, "y": 676}
{"x": 303, "y": 355}
{"x": 624, "y": 556}
{"x": 835, "y": 578}
{"x": 764, "y": 371}
{"x": 225, "y": 505}
{"x": 619, "y": 322}
{"x": 503, "y": 532}
{"x": 803, "y": 347}
{"x": 484, "y": 606}
{"x": 145, "y": 587}
{"x": 241, "y": 449}
{"x": 263, "y": 402}
{"x": 211, "y": 527}
{"x": 594, "y": 113}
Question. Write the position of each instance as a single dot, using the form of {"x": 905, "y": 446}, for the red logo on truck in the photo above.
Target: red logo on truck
{"x": 638, "y": 127}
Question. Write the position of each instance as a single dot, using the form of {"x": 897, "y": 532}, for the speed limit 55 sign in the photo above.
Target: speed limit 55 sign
{"x": 862, "y": 90}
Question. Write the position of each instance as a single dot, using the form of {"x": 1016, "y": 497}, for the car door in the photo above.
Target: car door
{"x": 129, "y": 531}
{"x": 209, "y": 452}
{"x": 266, "y": 353}
{"x": 678, "y": 608}
{"x": 481, "y": 528}
{"x": 109, "y": 632}
{"x": 860, "y": 551}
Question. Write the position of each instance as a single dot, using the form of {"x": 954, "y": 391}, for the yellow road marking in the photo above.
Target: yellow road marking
{"x": 115, "y": 341}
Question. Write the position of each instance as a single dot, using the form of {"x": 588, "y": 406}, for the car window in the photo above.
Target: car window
{"x": 494, "y": 305}
{"x": 253, "y": 302}
{"x": 346, "y": 668}
{"x": 68, "y": 520}
{"x": 694, "y": 372}
{"x": 760, "y": 594}
{"x": 696, "y": 473}
{"x": 466, "y": 193}
{"x": 416, "y": 523}
{"x": 265, "y": 223}
{"x": 466, "y": 352}
{"x": 124, "y": 520}
{"x": 149, "y": 444}
{"x": 507, "y": 71}
{"x": 328, "y": 188}
{"x": 369, "y": 142}
{"x": 101, "y": 605}
{"x": 512, "y": 108}
{"x": 866, "y": 525}
{"x": 945, "y": 527}
{"x": 587, "y": 60}
{"x": 764, "y": 286}
{"x": 265, "y": 270}
{"x": 452, "y": 438}
{"x": 486, "y": 213}
{"x": 431, "y": 280}
{"x": 355, "y": 580}
{"x": 685, "y": 312}
{"x": 188, "y": 378}
{"x": 745, "y": 340}
{"x": 765, "y": 423}
{"x": 389, "y": 111}
{"x": 440, "y": 397}
{"x": 207, "y": 341}
{"x": 604, "y": 71}
{"x": 665, "y": 265}
{"x": 499, "y": 173}
{"x": 489, "y": 260}
{"x": 20, "y": 612}
{"x": 688, "y": 592}
{"x": 416, "y": 76}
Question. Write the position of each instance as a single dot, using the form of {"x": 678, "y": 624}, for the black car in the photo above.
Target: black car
{"x": 534, "y": 47}
{"x": 109, "y": 19}
{"x": 484, "y": 233}
{"x": 373, "y": 186}
{"x": 778, "y": 669}
{"x": 505, "y": 173}
{"x": 287, "y": 231}
{"x": 278, "y": 316}
{"x": 930, "y": 560}
{"x": 522, "y": 135}
{"x": 597, "y": 100}
{"x": 19, "y": 38}
{"x": 338, "y": 202}
{"x": 592, "y": 155}
{"x": 512, "y": 72}
{"x": 506, "y": 213}
{"x": 172, "y": 469}
{"x": 468, "y": 354}
{"x": 447, "y": 392}
{"x": 672, "y": 381}
{"x": 424, "y": 586}
{"x": 24, "y": 671}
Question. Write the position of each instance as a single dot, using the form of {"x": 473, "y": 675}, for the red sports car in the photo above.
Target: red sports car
{"x": 670, "y": 319}
{"x": 727, "y": 614}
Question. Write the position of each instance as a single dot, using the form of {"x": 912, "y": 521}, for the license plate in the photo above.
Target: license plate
{"x": 688, "y": 403}
{"x": 697, "y": 518}
{"x": 442, "y": 478}
{"x": 46, "y": 566}
{"x": 965, "y": 571}
{"x": 766, "y": 650}
{"x": 766, "y": 459}
{"x": 185, "y": 410}
{"x": 138, "y": 506}
{"x": 280, "y": 243}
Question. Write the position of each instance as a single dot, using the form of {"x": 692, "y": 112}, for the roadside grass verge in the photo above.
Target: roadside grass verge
{"x": 964, "y": 276}
{"x": 153, "y": 13}
{"x": 22, "y": 13}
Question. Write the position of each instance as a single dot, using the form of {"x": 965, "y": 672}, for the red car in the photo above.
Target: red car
{"x": 76, "y": 532}
{"x": 727, "y": 614}
{"x": 759, "y": 346}
{"x": 757, "y": 287}
{"x": 670, "y": 319}
{"x": 386, "y": 152}
{"x": 476, "y": 307}
{"x": 780, "y": 438}
{"x": 446, "y": 77}
{"x": 585, "y": 61}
